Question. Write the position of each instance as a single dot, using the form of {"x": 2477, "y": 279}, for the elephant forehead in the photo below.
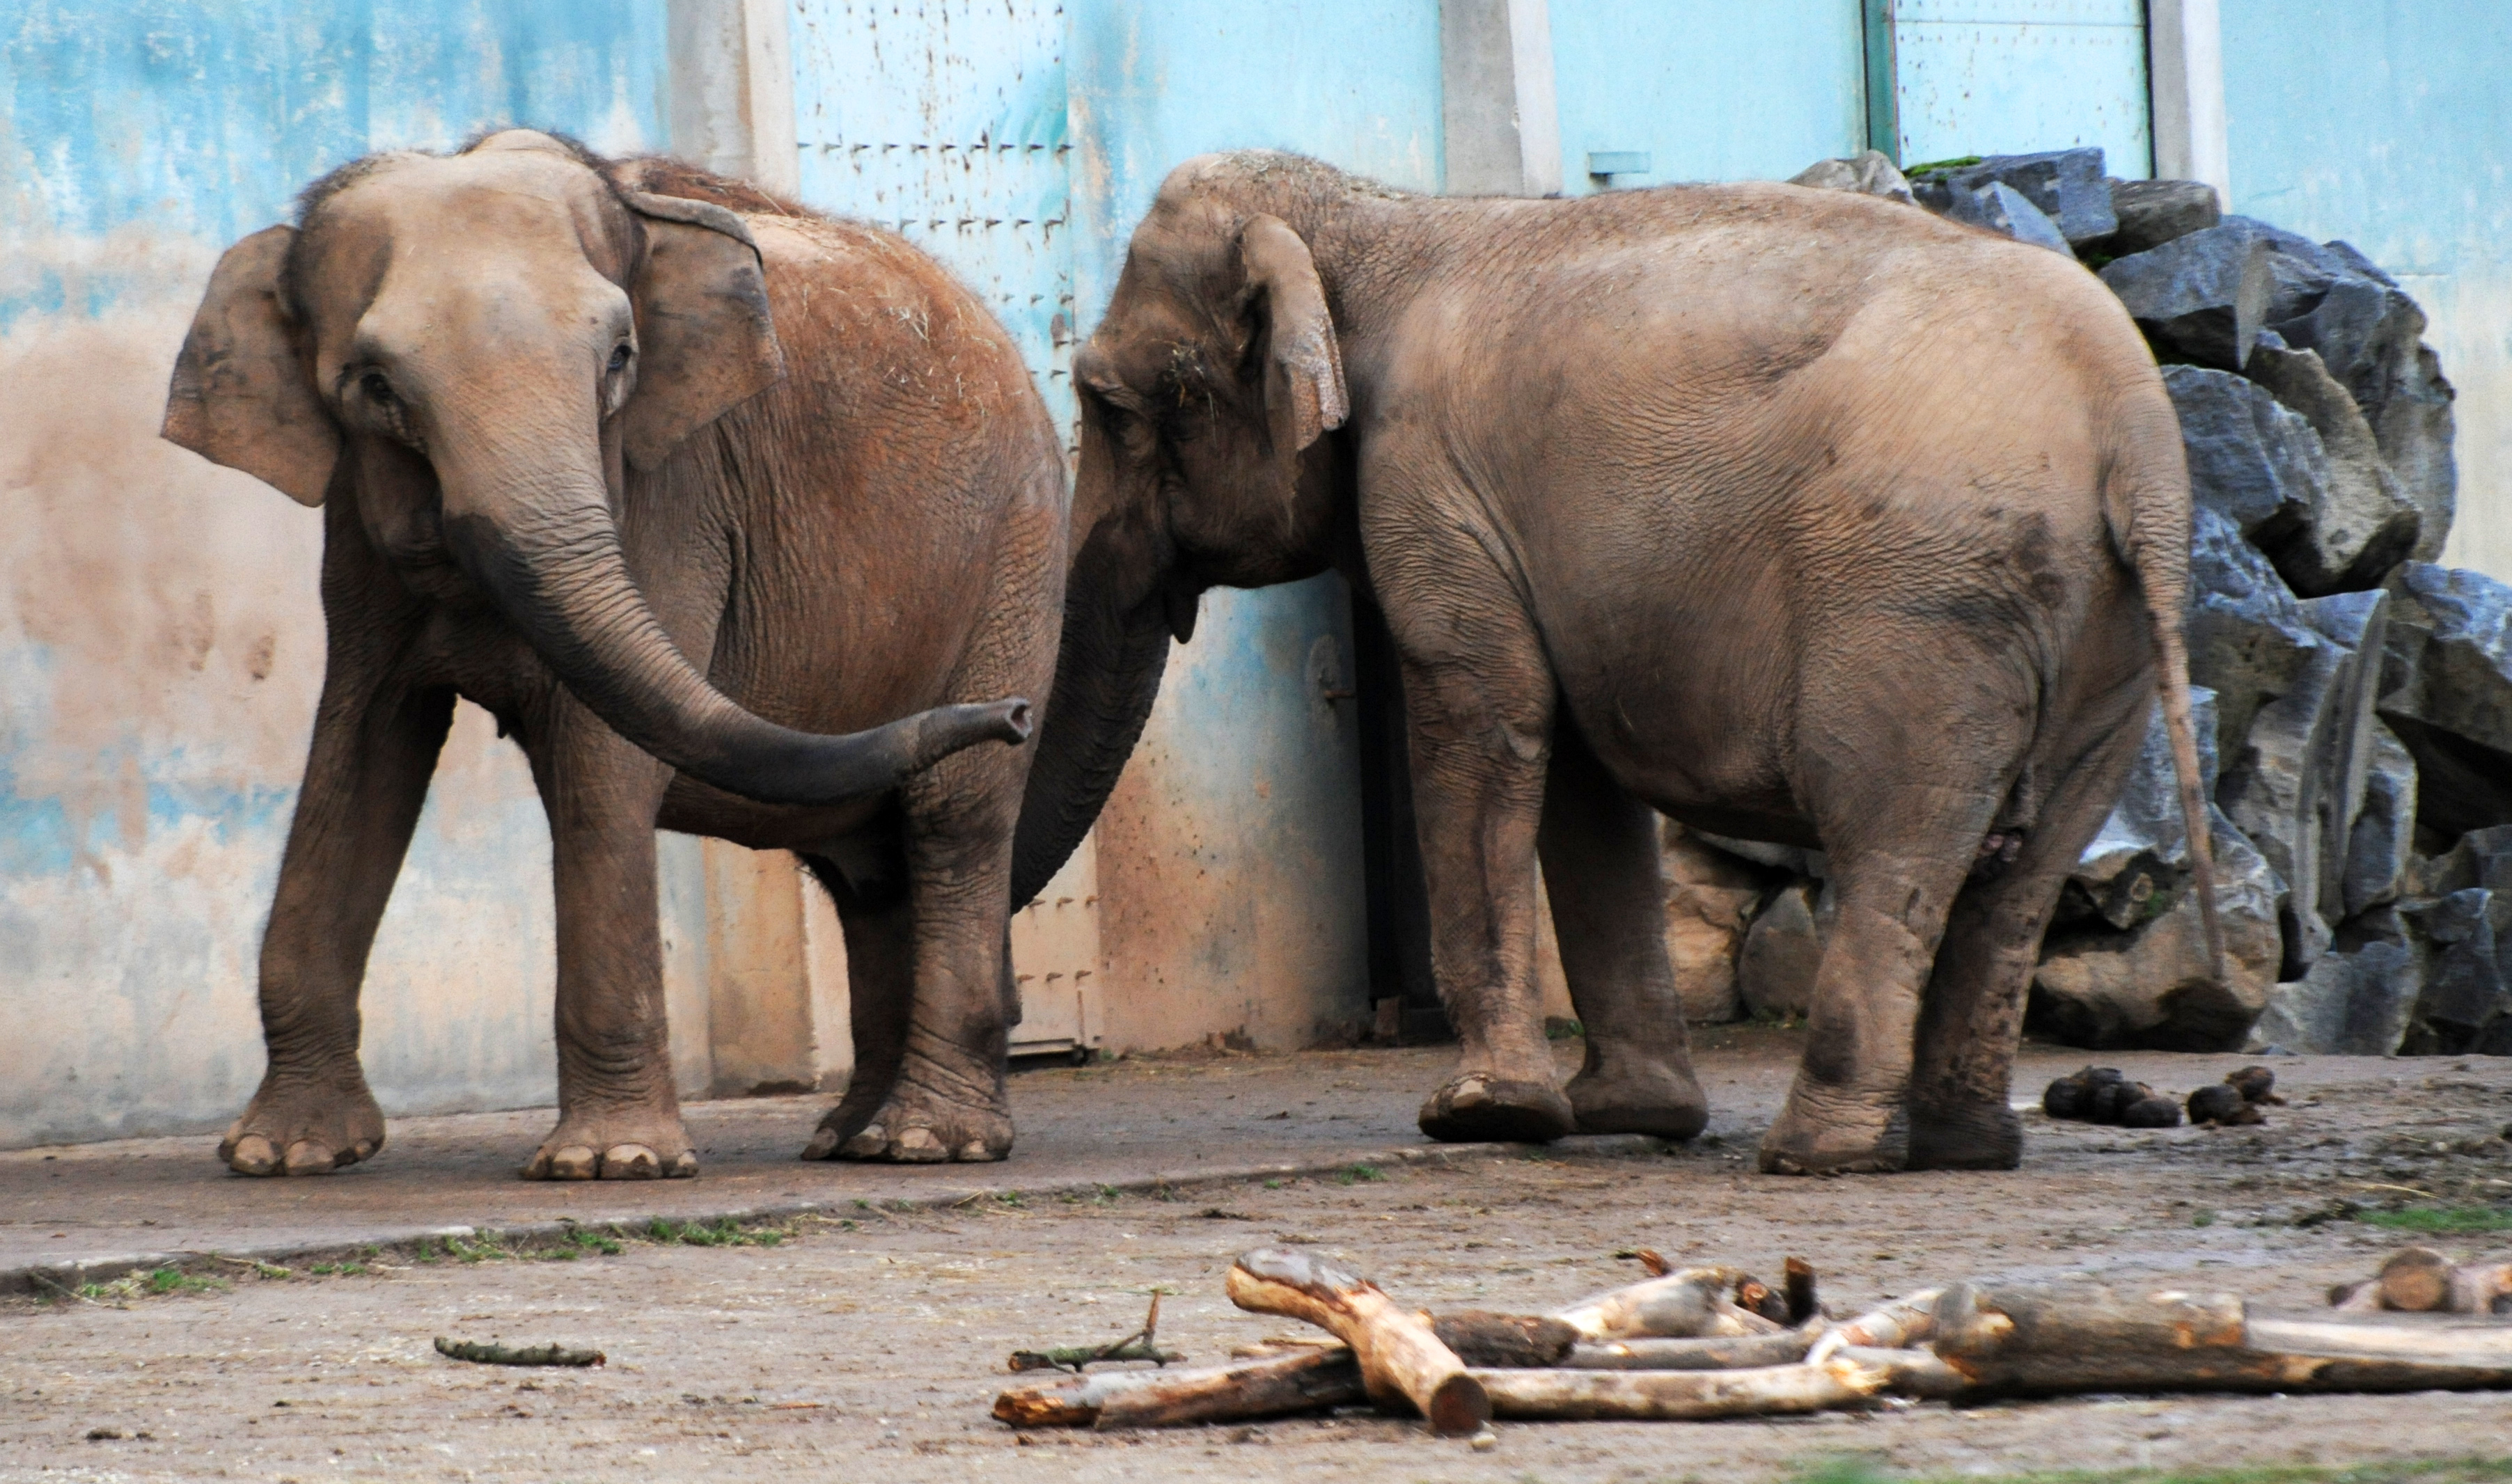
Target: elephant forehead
{"x": 515, "y": 205}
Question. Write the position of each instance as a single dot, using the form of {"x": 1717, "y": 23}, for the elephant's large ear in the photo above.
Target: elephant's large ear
{"x": 705, "y": 340}
{"x": 1304, "y": 391}
{"x": 241, "y": 395}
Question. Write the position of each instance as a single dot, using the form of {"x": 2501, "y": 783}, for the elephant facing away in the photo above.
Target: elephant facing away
{"x": 737, "y": 518}
{"x": 1796, "y": 515}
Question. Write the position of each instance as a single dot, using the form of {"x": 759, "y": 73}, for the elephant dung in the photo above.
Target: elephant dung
{"x": 2351, "y": 1003}
{"x": 2152, "y": 213}
{"x": 2153, "y": 986}
{"x": 2383, "y": 842}
{"x": 2065, "y": 186}
{"x": 2000, "y": 207}
{"x": 2202, "y": 297}
{"x": 2361, "y": 522}
{"x": 1775, "y": 975}
{"x": 2295, "y": 783}
{"x": 1710, "y": 901}
{"x": 1868, "y": 173}
{"x": 2447, "y": 692}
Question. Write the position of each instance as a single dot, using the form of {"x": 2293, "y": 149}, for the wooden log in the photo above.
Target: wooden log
{"x": 1734, "y": 1353}
{"x": 1686, "y": 1304}
{"x": 1802, "y": 1304}
{"x": 1400, "y": 1359}
{"x": 1905, "y": 1322}
{"x": 489, "y": 1352}
{"x": 2415, "y": 1280}
{"x": 2025, "y": 1341}
{"x": 1312, "y": 1379}
{"x": 2421, "y": 1280}
{"x": 1560, "y": 1396}
{"x": 1921, "y": 1375}
{"x": 1503, "y": 1341}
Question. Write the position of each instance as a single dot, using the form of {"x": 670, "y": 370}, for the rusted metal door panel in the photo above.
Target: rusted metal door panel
{"x": 945, "y": 121}
{"x": 2015, "y": 76}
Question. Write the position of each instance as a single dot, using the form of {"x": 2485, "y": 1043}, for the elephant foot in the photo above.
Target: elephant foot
{"x": 917, "y": 1126}
{"x": 617, "y": 1144}
{"x": 1634, "y": 1093}
{"x": 310, "y": 1128}
{"x": 1843, "y": 1139}
{"x": 1984, "y": 1135}
{"x": 1478, "y": 1106}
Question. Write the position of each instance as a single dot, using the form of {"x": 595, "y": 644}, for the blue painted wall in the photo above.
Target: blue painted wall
{"x": 1229, "y": 858}
{"x": 2388, "y": 123}
{"x": 160, "y": 639}
{"x": 1709, "y": 90}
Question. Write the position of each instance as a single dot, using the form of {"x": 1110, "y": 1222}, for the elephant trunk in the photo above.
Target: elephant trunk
{"x": 548, "y": 553}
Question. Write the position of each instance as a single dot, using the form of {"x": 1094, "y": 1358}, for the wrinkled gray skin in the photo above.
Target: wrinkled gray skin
{"x": 1798, "y": 515}
{"x": 686, "y": 486}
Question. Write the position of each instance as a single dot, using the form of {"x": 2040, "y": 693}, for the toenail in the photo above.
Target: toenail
{"x": 573, "y": 1163}
{"x": 630, "y": 1161}
{"x": 823, "y": 1144}
{"x": 685, "y": 1166}
{"x": 872, "y": 1141}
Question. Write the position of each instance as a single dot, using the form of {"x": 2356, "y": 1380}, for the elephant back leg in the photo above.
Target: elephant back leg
{"x": 1601, "y": 872}
{"x": 1907, "y": 752}
{"x": 881, "y": 985}
{"x": 1970, "y": 1016}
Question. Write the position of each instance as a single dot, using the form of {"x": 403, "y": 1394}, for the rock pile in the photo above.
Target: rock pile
{"x": 2355, "y": 699}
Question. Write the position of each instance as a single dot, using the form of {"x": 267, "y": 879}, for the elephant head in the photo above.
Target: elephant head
{"x": 1205, "y": 394}
{"x": 480, "y": 344}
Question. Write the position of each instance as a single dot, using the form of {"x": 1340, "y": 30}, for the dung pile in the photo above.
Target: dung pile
{"x": 2354, "y": 699}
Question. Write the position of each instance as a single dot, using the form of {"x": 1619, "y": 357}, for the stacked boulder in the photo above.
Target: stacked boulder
{"x": 2354, "y": 699}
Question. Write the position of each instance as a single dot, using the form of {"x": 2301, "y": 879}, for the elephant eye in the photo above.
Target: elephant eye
{"x": 619, "y": 354}
{"x": 374, "y": 385}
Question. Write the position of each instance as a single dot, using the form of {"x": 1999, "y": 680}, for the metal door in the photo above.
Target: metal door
{"x": 1979, "y": 77}
{"x": 944, "y": 120}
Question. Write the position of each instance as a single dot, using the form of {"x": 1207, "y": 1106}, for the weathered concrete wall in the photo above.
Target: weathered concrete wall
{"x": 160, "y": 641}
{"x": 1230, "y": 857}
{"x": 2385, "y": 122}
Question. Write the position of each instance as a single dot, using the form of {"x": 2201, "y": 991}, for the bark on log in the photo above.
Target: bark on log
{"x": 1400, "y": 1358}
{"x": 489, "y": 1352}
{"x": 1317, "y": 1378}
{"x": 1560, "y": 1396}
{"x": 1503, "y": 1341}
{"x": 1802, "y": 1304}
{"x": 1735, "y": 1352}
{"x": 1905, "y": 1322}
{"x": 1684, "y": 1305}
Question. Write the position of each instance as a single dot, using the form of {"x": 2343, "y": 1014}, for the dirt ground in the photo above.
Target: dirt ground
{"x": 872, "y": 1344}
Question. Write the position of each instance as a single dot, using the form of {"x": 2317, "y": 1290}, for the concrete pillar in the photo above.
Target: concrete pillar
{"x": 2185, "y": 70}
{"x": 732, "y": 90}
{"x": 1501, "y": 129}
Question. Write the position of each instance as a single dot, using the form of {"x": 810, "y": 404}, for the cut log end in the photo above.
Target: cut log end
{"x": 1458, "y": 1406}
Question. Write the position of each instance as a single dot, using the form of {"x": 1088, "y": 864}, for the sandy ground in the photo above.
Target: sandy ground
{"x": 871, "y": 1344}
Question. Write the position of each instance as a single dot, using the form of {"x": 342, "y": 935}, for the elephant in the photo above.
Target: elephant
{"x": 1796, "y": 516}
{"x": 734, "y": 516}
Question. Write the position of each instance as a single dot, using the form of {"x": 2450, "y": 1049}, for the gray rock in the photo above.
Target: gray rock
{"x": 2380, "y": 846}
{"x": 2255, "y": 462}
{"x": 1710, "y": 901}
{"x": 2249, "y": 637}
{"x": 2130, "y": 870}
{"x": 2202, "y": 297}
{"x": 2479, "y": 858}
{"x": 2153, "y": 986}
{"x": 2357, "y": 1003}
{"x": 1868, "y": 173}
{"x": 2296, "y": 782}
{"x": 2448, "y": 694}
{"x": 2002, "y": 209}
{"x": 2363, "y": 523}
{"x": 2152, "y": 213}
{"x": 2065, "y": 185}
{"x": 1783, "y": 950}
{"x": 2464, "y": 990}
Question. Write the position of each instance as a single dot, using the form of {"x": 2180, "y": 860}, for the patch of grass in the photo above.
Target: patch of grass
{"x": 2440, "y": 1218}
{"x": 1359, "y": 1174}
{"x": 1860, "y": 1469}
{"x": 724, "y": 1231}
{"x": 154, "y": 1283}
{"x": 1930, "y": 167}
{"x": 2203, "y": 1219}
{"x": 577, "y": 1243}
{"x": 338, "y": 1270}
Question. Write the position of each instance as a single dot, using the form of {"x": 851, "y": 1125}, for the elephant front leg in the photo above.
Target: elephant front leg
{"x": 619, "y": 1117}
{"x": 366, "y": 779}
{"x": 1599, "y": 849}
{"x": 1478, "y": 734}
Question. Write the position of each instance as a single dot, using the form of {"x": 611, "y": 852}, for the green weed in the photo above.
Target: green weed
{"x": 1359, "y": 1174}
{"x": 1930, "y": 168}
{"x": 2440, "y": 1218}
{"x": 721, "y": 1233}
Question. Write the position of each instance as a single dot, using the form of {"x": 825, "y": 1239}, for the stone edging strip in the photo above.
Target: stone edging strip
{"x": 45, "y": 1278}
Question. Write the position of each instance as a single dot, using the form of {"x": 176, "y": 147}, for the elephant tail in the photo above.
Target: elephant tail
{"x": 2147, "y": 502}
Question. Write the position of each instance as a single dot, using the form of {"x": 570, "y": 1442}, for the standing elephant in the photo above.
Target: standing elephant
{"x": 685, "y": 495}
{"x": 1798, "y": 515}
